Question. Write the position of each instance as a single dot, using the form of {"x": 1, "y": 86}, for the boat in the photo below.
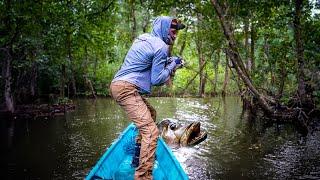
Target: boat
{"x": 115, "y": 163}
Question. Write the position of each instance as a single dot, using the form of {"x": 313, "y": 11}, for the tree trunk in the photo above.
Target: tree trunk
{"x": 202, "y": 77}
{"x": 216, "y": 67}
{"x": 252, "y": 44}
{"x": 7, "y": 78}
{"x": 266, "y": 50}
{"x": 238, "y": 81}
{"x": 246, "y": 43}
{"x": 282, "y": 79}
{"x": 6, "y": 53}
{"x": 203, "y": 84}
{"x": 193, "y": 78}
{"x": 90, "y": 86}
{"x": 95, "y": 67}
{"x": 201, "y": 57}
{"x": 184, "y": 41}
{"x": 73, "y": 81}
{"x": 33, "y": 81}
{"x": 226, "y": 77}
{"x": 236, "y": 59}
{"x": 299, "y": 49}
{"x": 146, "y": 16}
{"x": 63, "y": 81}
{"x": 133, "y": 18}
{"x": 85, "y": 76}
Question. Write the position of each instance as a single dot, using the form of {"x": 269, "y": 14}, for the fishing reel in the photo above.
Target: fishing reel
{"x": 177, "y": 58}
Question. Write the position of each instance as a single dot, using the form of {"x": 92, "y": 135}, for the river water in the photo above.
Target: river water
{"x": 237, "y": 147}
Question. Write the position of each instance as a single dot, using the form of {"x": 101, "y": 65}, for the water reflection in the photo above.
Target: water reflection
{"x": 67, "y": 147}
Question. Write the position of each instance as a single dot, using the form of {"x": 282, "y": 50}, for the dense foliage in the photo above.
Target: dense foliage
{"x": 69, "y": 48}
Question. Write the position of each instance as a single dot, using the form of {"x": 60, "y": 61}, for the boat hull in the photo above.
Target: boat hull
{"x": 115, "y": 163}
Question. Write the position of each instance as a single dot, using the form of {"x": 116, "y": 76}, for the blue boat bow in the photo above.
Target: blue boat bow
{"x": 115, "y": 163}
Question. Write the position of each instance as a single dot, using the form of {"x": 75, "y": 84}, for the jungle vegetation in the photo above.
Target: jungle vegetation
{"x": 266, "y": 51}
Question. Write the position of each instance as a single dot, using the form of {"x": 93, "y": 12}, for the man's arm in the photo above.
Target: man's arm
{"x": 160, "y": 72}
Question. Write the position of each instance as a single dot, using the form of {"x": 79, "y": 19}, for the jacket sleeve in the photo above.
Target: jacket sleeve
{"x": 160, "y": 72}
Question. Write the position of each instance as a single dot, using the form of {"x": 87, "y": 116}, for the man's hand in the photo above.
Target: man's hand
{"x": 179, "y": 62}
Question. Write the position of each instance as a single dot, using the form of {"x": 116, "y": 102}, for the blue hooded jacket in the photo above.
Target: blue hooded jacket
{"x": 146, "y": 61}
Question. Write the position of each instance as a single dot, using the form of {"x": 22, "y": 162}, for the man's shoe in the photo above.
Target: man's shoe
{"x": 135, "y": 159}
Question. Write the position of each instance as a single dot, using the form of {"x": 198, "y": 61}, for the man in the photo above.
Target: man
{"x": 146, "y": 64}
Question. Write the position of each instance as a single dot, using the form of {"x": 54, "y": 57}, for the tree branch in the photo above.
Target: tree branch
{"x": 105, "y": 8}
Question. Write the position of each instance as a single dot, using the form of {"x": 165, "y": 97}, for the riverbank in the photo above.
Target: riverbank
{"x": 34, "y": 111}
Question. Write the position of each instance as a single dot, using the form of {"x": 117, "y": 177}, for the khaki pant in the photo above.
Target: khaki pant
{"x": 144, "y": 116}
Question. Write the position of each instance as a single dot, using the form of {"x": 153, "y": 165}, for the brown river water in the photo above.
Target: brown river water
{"x": 67, "y": 147}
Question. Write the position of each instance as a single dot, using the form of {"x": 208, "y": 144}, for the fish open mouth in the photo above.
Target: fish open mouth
{"x": 193, "y": 135}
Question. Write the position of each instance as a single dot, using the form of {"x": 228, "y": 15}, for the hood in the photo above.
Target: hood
{"x": 160, "y": 27}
